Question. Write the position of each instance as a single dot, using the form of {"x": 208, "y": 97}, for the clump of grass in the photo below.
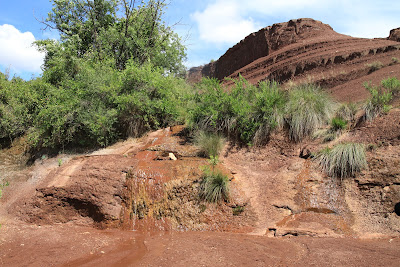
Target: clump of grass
{"x": 374, "y": 66}
{"x": 214, "y": 187}
{"x": 338, "y": 124}
{"x": 343, "y": 160}
{"x": 237, "y": 210}
{"x": 210, "y": 144}
{"x": 378, "y": 103}
{"x": 307, "y": 109}
{"x": 395, "y": 60}
{"x": 346, "y": 111}
{"x": 391, "y": 84}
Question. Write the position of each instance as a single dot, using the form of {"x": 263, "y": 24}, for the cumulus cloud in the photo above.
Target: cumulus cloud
{"x": 229, "y": 21}
{"x": 222, "y": 22}
{"x": 17, "y": 52}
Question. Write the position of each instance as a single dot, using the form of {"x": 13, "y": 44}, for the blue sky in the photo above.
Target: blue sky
{"x": 208, "y": 27}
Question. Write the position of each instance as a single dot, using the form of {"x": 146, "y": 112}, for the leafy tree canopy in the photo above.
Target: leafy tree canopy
{"x": 111, "y": 31}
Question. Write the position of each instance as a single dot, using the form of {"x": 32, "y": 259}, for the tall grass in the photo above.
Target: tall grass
{"x": 346, "y": 111}
{"x": 308, "y": 108}
{"x": 214, "y": 187}
{"x": 343, "y": 160}
{"x": 246, "y": 113}
{"x": 210, "y": 144}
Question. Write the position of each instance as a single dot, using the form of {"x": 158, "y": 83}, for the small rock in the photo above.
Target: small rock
{"x": 172, "y": 156}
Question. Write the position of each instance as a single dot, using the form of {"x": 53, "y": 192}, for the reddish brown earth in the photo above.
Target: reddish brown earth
{"x": 306, "y": 50}
{"x": 80, "y": 210}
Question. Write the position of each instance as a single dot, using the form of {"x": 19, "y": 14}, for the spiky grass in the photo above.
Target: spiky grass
{"x": 308, "y": 108}
{"x": 210, "y": 144}
{"x": 346, "y": 111}
{"x": 343, "y": 160}
{"x": 338, "y": 124}
{"x": 214, "y": 187}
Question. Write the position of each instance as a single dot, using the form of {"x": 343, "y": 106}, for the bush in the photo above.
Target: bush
{"x": 391, "y": 84}
{"x": 210, "y": 144}
{"x": 245, "y": 113}
{"x": 214, "y": 187}
{"x": 378, "y": 103}
{"x": 308, "y": 108}
{"x": 344, "y": 160}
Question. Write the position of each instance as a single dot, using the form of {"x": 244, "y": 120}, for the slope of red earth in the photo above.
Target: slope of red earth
{"x": 306, "y": 50}
{"x": 136, "y": 203}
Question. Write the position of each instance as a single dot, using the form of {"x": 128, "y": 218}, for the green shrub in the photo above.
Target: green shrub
{"x": 210, "y": 144}
{"x": 391, "y": 84}
{"x": 378, "y": 103}
{"x": 245, "y": 112}
{"x": 343, "y": 160}
{"x": 308, "y": 108}
{"x": 214, "y": 187}
{"x": 374, "y": 66}
{"x": 338, "y": 124}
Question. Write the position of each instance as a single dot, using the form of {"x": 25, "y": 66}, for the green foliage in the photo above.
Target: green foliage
{"x": 338, "y": 124}
{"x": 237, "y": 210}
{"x": 391, "y": 84}
{"x": 343, "y": 160}
{"x": 103, "y": 30}
{"x": 378, "y": 103}
{"x": 214, "y": 187}
{"x": 374, "y": 66}
{"x": 246, "y": 112}
{"x": 210, "y": 144}
{"x": 308, "y": 108}
{"x": 102, "y": 104}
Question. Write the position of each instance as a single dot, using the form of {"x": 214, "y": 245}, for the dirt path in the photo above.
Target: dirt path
{"x": 67, "y": 245}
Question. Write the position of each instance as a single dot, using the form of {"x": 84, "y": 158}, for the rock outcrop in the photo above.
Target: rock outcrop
{"x": 395, "y": 35}
{"x": 305, "y": 50}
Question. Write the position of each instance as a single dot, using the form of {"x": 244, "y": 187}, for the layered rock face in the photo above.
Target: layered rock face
{"x": 300, "y": 50}
{"x": 261, "y": 44}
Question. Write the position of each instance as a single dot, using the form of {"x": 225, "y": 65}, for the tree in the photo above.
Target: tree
{"x": 101, "y": 30}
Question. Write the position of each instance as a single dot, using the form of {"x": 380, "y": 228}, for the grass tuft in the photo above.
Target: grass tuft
{"x": 374, "y": 66}
{"x": 214, "y": 187}
{"x": 308, "y": 108}
{"x": 343, "y": 160}
{"x": 210, "y": 144}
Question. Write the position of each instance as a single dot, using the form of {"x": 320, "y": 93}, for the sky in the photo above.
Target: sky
{"x": 207, "y": 27}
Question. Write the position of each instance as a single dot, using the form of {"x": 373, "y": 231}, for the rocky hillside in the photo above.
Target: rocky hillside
{"x": 305, "y": 49}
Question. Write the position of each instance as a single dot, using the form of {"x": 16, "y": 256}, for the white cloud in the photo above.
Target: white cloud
{"x": 229, "y": 21}
{"x": 16, "y": 50}
{"x": 222, "y": 23}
